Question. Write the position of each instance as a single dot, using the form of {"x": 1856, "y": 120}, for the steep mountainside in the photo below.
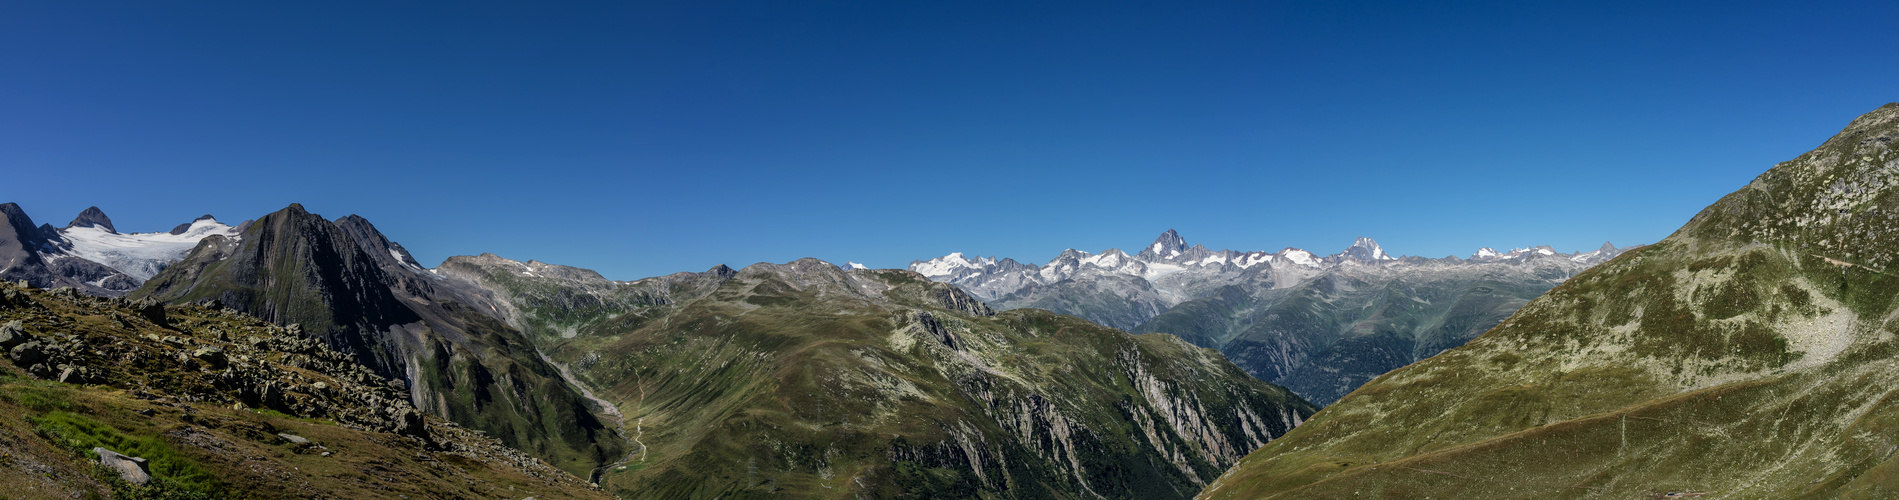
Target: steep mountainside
{"x": 1317, "y": 325}
{"x": 89, "y": 254}
{"x": 807, "y": 380}
{"x": 363, "y": 295}
{"x": 1752, "y": 354}
{"x": 221, "y": 405}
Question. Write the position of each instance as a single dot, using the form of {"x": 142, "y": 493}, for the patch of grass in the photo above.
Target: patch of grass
{"x": 173, "y": 475}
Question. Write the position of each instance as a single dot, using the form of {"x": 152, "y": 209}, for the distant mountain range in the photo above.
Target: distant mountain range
{"x": 91, "y": 255}
{"x": 1320, "y": 325}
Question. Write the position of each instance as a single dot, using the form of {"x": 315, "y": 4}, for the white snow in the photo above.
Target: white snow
{"x": 1300, "y": 257}
{"x": 855, "y": 265}
{"x": 945, "y": 265}
{"x": 140, "y": 255}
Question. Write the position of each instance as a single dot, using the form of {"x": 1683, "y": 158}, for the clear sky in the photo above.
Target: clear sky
{"x": 645, "y": 138}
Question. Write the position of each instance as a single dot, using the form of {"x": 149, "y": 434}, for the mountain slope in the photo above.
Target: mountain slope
{"x": 1751, "y": 354}
{"x": 807, "y": 380}
{"x": 221, "y": 405}
{"x": 347, "y": 284}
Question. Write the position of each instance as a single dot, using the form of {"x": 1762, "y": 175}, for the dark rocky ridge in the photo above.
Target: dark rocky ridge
{"x": 341, "y": 282}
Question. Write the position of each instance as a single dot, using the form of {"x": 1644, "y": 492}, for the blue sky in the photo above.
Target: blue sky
{"x": 644, "y": 138}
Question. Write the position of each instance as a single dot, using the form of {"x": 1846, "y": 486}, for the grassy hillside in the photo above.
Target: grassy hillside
{"x": 1749, "y": 355}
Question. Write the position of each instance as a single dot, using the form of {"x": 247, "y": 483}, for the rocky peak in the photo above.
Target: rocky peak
{"x": 1365, "y": 249}
{"x": 1167, "y": 246}
{"x": 92, "y": 217}
{"x": 23, "y": 230}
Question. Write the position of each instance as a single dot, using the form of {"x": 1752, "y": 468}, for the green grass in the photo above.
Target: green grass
{"x": 173, "y": 474}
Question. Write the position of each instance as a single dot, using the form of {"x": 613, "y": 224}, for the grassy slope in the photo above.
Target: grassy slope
{"x": 1750, "y": 355}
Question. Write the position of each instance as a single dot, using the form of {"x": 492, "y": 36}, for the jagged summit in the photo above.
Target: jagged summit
{"x": 1365, "y": 249}
{"x": 1167, "y": 246}
{"x": 92, "y": 217}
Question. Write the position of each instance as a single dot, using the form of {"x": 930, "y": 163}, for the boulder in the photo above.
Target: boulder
{"x": 294, "y": 439}
{"x": 132, "y": 469}
{"x": 152, "y": 310}
{"x": 13, "y": 334}
{"x": 28, "y": 353}
{"x": 211, "y": 356}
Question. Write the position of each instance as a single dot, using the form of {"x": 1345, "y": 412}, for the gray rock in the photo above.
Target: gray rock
{"x": 151, "y": 310}
{"x": 28, "y": 353}
{"x": 294, "y": 439}
{"x": 13, "y": 334}
{"x": 211, "y": 356}
{"x": 132, "y": 469}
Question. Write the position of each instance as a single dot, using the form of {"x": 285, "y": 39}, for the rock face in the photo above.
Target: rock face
{"x": 1317, "y": 325}
{"x": 361, "y": 294}
{"x": 807, "y": 380}
{"x": 1748, "y": 355}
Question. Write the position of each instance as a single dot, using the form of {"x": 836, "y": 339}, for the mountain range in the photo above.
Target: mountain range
{"x": 1319, "y": 325}
{"x": 1751, "y": 354}
{"x": 92, "y": 256}
{"x": 802, "y": 378}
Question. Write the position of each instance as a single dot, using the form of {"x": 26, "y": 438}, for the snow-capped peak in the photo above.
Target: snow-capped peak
{"x": 1300, "y": 257}
{"x": 1365, "y": 249}
{"x": 949, "y": 264}
{"x": 1169, "y": 245}
{"x": 139, "y": 255}
{"x": 855, "y": 265}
